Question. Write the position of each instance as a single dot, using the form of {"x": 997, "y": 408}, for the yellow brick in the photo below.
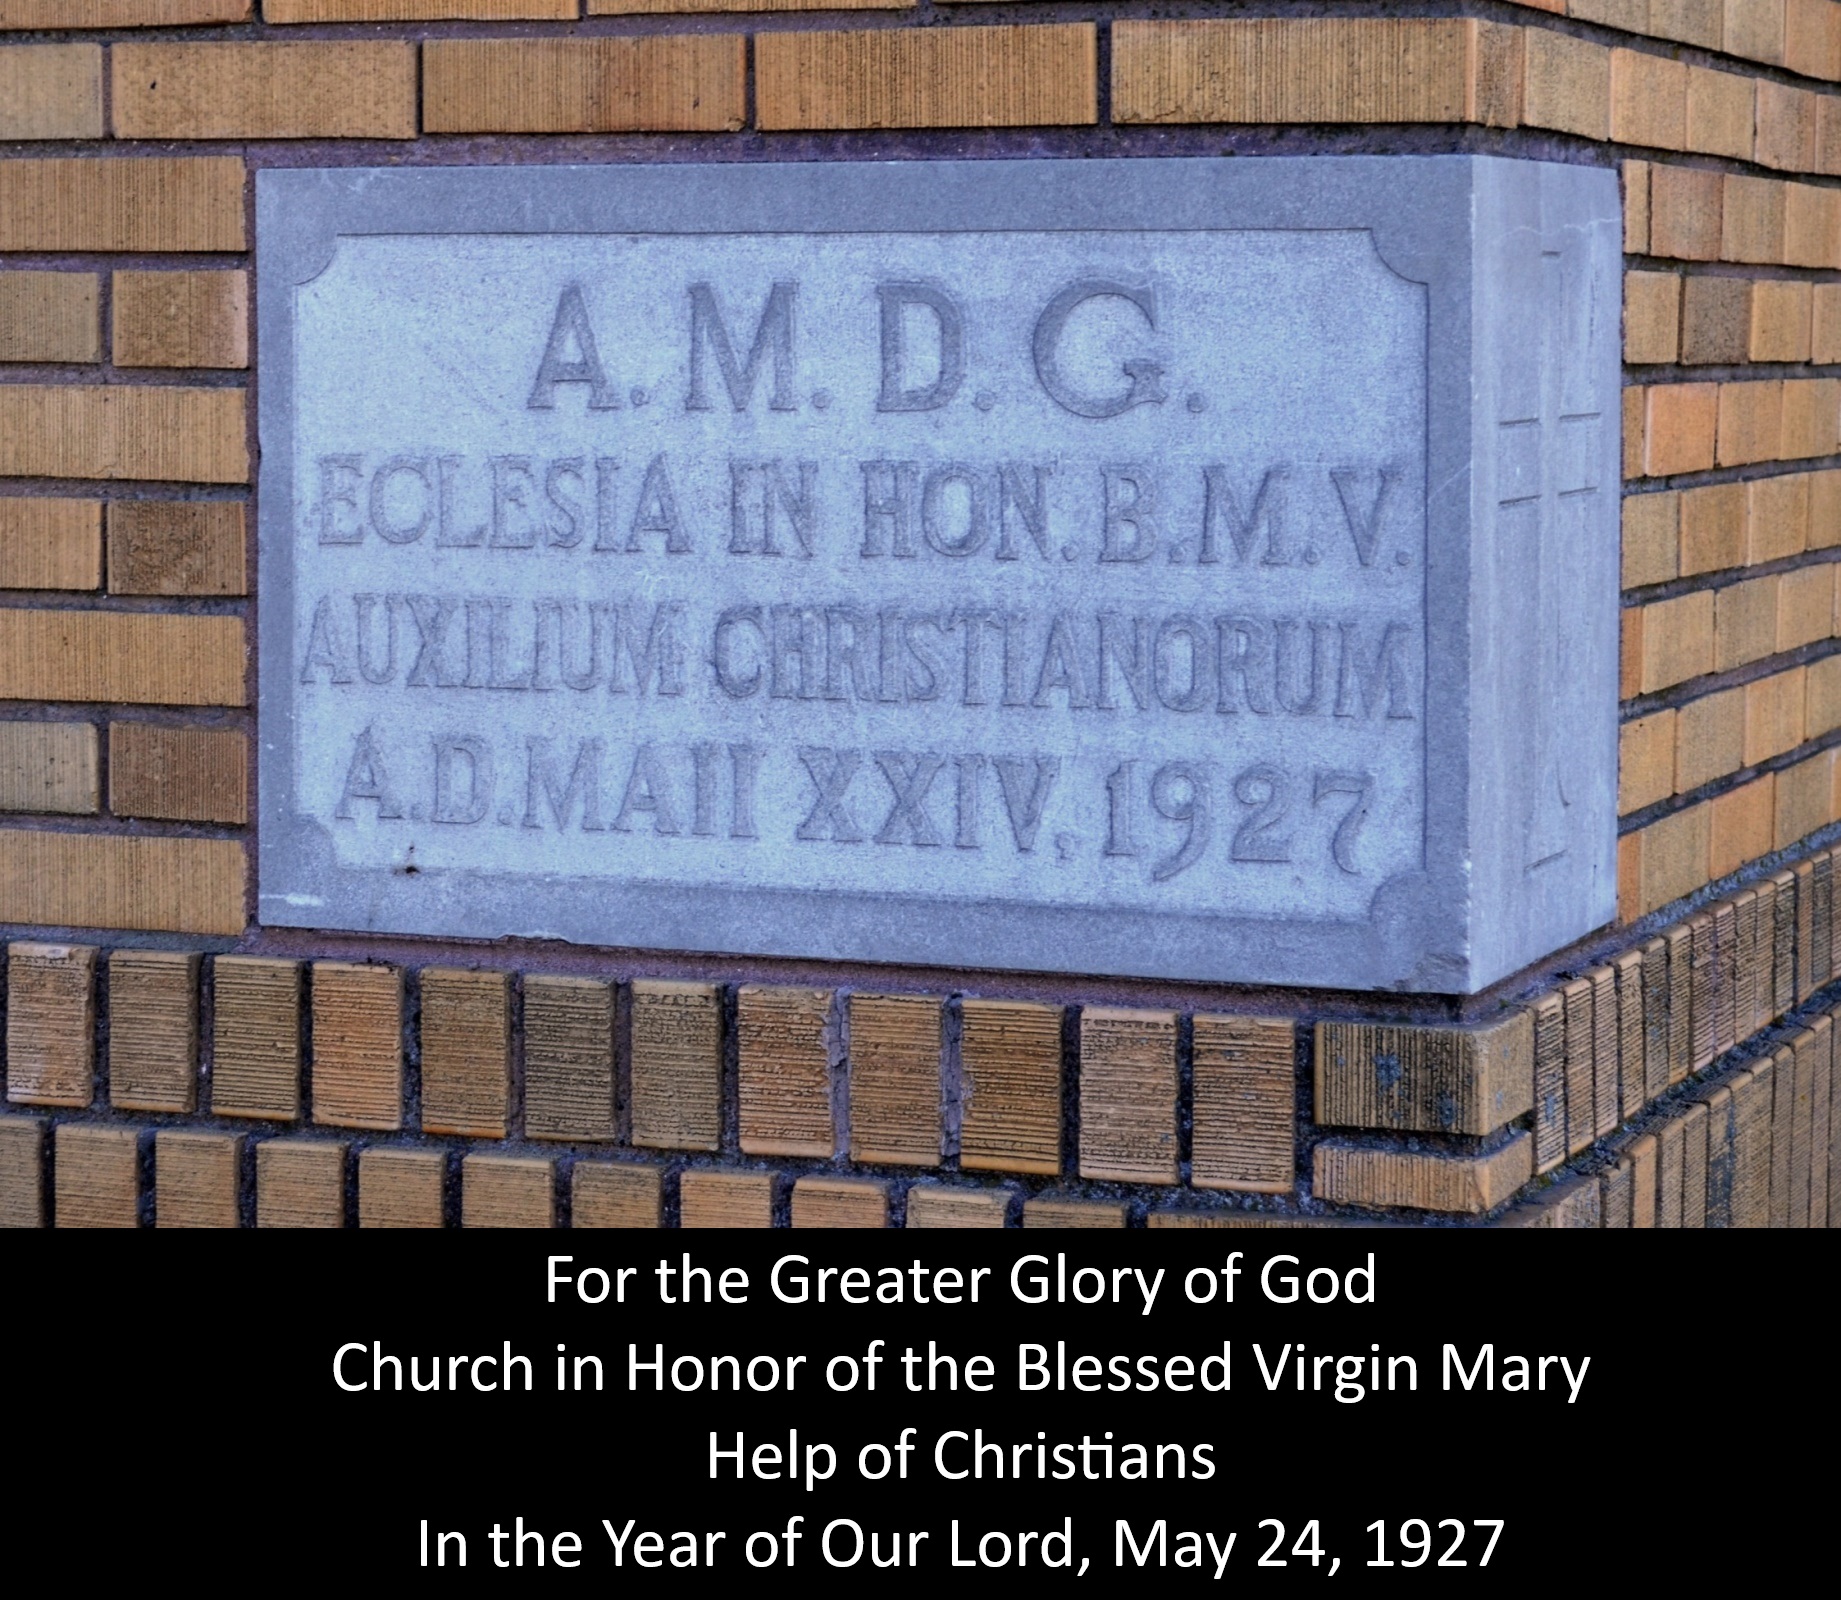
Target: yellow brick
{"x": 840, "y": 1203}
{"x": 1822, "y": 703}
{"x": 400, "y": 1188}
{"x": 1773, "y": 715}
{"x": 1825, "y": 320}
{"x": 139, "y": 658}
{"x": 1805, "y": 799}
{"x": 1750, "y": 422}
{"x": 676, "y": 1065}
{"x": 1678, "y": 427}
{"x": 153, "y": 1030}
{"x": 1780, "y": 327}
{"x": 507, "y": 1192}
{"x": 1812, "y": 38}
{"x": 1128, "y": 1095}
{"x": 689, "y": 83}
{"x": 895, "y": 1079}
{"x": 1649, "y": 97}
{"x": 148, "y": 204}
{"x": 190, "y": 547}
{"x": 1630, "y": 652}
{"x": 1635, "y": 176}
{"x": 357, "y": 1045}
{"x": 88, "y": 880}
{"x": 626, "y": 8}
{"x": 1686, "y": 213}
{"x": 1709, "y": 739}
{"x": 928, "y": 78}
{"x": 1824, "y": 508}
{"x": 1689, "y": 21}
{"x": 48, "y": 767}
{"x": 195, "y": 1178}
{"x": 300, "y": 1183}
{"x": 1652, "y": 317}
{"x": 1672, "y": 859}
{"x": 725, "y": 1200}
{"x": 1754, "y": 30}
{"x": 351, "y": 89}
{"x": 1010, "y": 1058}
{"x": 120, "y": 13}
{"x": 1811, "y": 418}
{"x": 1752, "y": 220}
{"x": 255, "y": 1038}
{"x": 1719, "y": 114}
{"x": 184, "y": 774}
{"x": 22, "y": 1172}
{"x": 1568, "y": 84}
{"x": 50, "y": 91}
{"x": 1048, "y": 1211}
{"x": 1811, "y": 226}
{"x": 1715, "y": 320}
{"x": 1424, "y": 1079}
{"x": 1786, "y": 127}
{"x": 784, "y": 1076}
{"x": 1630, "y": 15}
{"x": 50, "y": 1024}
{"x": 607, "y": 1194}
{"x": 1645, "y": 761}
{"x": 1744, "y": 623}
{"x": 49, "y": 316}
{"x": 1245, "y": 1104}
{"x": 97, "y": 1176}
{"x": 1677, "y": 641}
{"x": 180, "y": 319}
{"x": 1805, "y": 606}
{"x": 1743, "y": 823}
{"x": 466, "y": 1052}
{"x": 419, "y": 10}
{"x": 1651, "y": 539}
{"x": 1424, "y": 1181}
{"x": 1320, "y": 70}
{"x": 123, "y": 431}
{"x": 933, "y": 1205}
{"x": 569, "y": 1059}
{"x": 50, "y": 544}
{"x": 1713, "y": 534}
{"x": 1636, "y": 446}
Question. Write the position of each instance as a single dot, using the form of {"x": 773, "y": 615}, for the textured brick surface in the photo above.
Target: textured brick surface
{"x": 507, "y": 1192}
{"x": 568, "y": 1058}
{"x": 120, "y": 13}
{"x": 1568, "y": 84}
{"x": 48, "y": 766}
{"x": 1652, "y": 316}
{"x": 607, "y": 1194}
{"x": 1245, "y": 1085}
{"x": 677, "y": 1065}
{"x": 357, "y": 1045}
{"x": 466, "y": 1052}
{"x": 50, "y": 91}
{"x": 255, "y": 1037}
{"x": 400, "y": 1188}
{"x": 1686, "y": 213}
{"x": 1052, "y": 1212}
{"x": 1445, "y": 1080}
{"x": 48, "y": 316}
{"x": 1649, "y": 99}
{"x": 348, "y": 89}
{"x": 191, "y": 547}
{"x": 933, "y": 78}
{"x": 195, "y": 1178}
{"x": 153, "y": 1030}
{"x": 152, "y": 203}
{"x": 135, "y": 658}
{"x": 840, "y": 1203}
{"x": 622, "y": 8}
{"x": 78, "y": 880}
{"x": 22, "y": 1172}
{"x": 1579, "y": 1005}
{"x": 1422, "y": 1180}
{"x": 180, "y": 319}
{"x": 1010, "y": 1069}
{"x": 96, "y": 1172}
{"x": 1719, "y": 114}
{"x": 1549, "y": 1076}
{"x": 895, "y": 1079}
{"x": 187, "y": 774}
{"x": 1645, "y": 761}
{"x": 50, "y": 544}
{"x": 300, "y": 1183}
{"x": 725, "y": 1200}
{"x": 418, "y": 10}
{"x": 785, "y": 1072}
{"x": 1128, "y": 1095}
{"x": 122, "y": 431}
{"x": 932, "y": 1205}
{"x": 50, "y": 1024}
{"x": 672, "y": 83}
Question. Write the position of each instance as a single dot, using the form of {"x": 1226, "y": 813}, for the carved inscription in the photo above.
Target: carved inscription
{"x": 1074, "y": 568}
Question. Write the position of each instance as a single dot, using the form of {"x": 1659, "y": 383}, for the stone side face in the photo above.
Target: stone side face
{"x": 1671, "y": 1069}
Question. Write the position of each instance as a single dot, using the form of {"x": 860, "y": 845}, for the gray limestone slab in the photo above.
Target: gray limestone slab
{"x": 1203, "y": 569}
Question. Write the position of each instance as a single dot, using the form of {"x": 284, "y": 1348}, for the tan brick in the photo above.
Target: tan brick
{"x": 1669, "y": 859}
{"x": 1805, "y": 606}
{"x": 662, "y": 83}
{"x": 1811, "y": 418}
{"x": 1630, "y": 653}
{"x": 1811, "y": 226}
{"x": 1686, "y": 213}
{"x": 1822, "y": 703}
{"x": 1245, "y": 1091}
{"x": 188, "y": 547}
{"x": 1652, "y": 317}
{"x": 48, "y": 767}
{"x": 153, "y": 1030}
{"x": 1577, "y": 1203}
{"x": 569, "y": 1060}
{"x": 1804, "y": 800}
{"x": 840, "y": 1203}
{"x": 932, "y": 1205}
{"x": 50, "y": 1024}
{"x": 1824, "y": 509}
{"x": 1320, "y": 70}
{"x": 929, "y": 78}
{"x": 188, "y": 774}
{"x": 466, "y": 1052}
{"x": 1010, "y": 1055}
{"x": 1645, "y": 762}
{"x": 87, "y": 880}
{"x": 725, "y": 1200}
{"x": 1128, "y": 1095}
{"x": 1568, "y": 84}
{"x": 1786, "y": 127}
{"x": 132, "y": 657}
{"x": 49, "y": 316}
{"x": 1744, "y": 623}
{"x": 349, "y": 89}
{"x": 507, "y": 1192}
{"x": 1677, "y": 640}
{"x": 1636, "y": 446}
{"x": 1812, "y": 38}
{"x": 1678, "y": 427}
{"x": 50, "y": 91}
{"x": 195, "y": 1179}
{"x": 607, "y": 1194}
{"x": 1776, "y": 517}
{"x": 895, "y": 1079}
{"x": 784, "y": 1076}
{"x": 1579, "y": 1004}
{"x": 300, "y": 1183}
{"x": 22, "y": 1172}
{"x": 1630, "y": 15}
{"x": 1752, "y": 220}
{"x": 1719, "y": 114}
{"x": 400, "y": 1188}
{"x": 1828, "y": 135}
{"x": 1428, "y": 1079}
{"x": 50, "y": 544}
{"x": 180, "y": 319}
{"x": 1689, "y": 21}
{"x": 1713, "y": 533}
{"x": 1422, "y": 1180}
{"x": 1635, "y": 177}
{"x": 1709, "y": 739}
{"x": 1649, "y": 99}
{"x": 255, "y": 1038}
{"x": 1052, "y": 1212}
{"x": 122, "y": 431}
{"x": 1715, "y": 320}
{"x": 1780, "y": 326}
{"x": 153, "y": 203}
{"x": 677, "y": 1065}
{"x": 1651, "y": 539}
{"x": 1750, "y": 422}
{"x": 97, "y": 1174}
{"x": 357, "y": 1045}
{"x": 1754, "y": 30}
{"x": 421, "y": 10}
{"x": 1773, "y": 715}
{"x": 1742, "y": 825}
{"x": 120, "y": 13}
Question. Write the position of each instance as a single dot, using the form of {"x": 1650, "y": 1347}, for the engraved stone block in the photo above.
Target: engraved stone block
{"x": 1193, "y": 568}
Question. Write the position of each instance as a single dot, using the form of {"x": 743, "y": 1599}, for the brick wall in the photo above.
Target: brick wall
{"x": 168, "y": 1060}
